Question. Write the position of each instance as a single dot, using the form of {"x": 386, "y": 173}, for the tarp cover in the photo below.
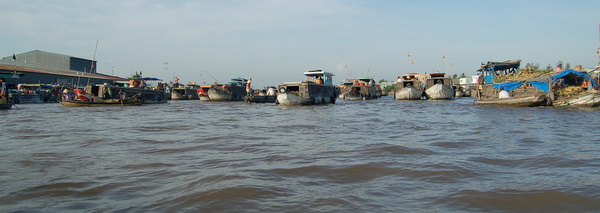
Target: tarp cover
{"x": 510, "y": 85}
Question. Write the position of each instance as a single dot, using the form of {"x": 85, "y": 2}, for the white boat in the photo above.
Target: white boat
{"x": 317, "y": 89}
{"x": 235, "y": 90}
{"x": 203, "y": 93}
{"x": 439, "y": 87}
{"x": 409, "y": 88}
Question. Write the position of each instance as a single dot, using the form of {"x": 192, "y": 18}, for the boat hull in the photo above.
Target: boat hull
{"x": 100, "y": 104}
{"x": 294, "y": 100}
{"x": 529, "y": 101}
{"x": 587, "y": 100}
{"x": 439, "y": 92}
{"x": 303, "y": 93}
{"x": 5, "y": 106}
{"x": 261, "y": 99}
{"x": 408, "y": 93}
{"x": 184, "y": 94}
{"x": 359, "y": 93}
{"x": 204, "y": 97}
{"x": 235, "y": 93}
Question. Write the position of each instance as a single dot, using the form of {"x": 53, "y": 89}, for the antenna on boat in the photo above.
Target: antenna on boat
{"x": 93, "y": 64}
{"x": 210, "y": 75}
{"x": 598, "y": 65}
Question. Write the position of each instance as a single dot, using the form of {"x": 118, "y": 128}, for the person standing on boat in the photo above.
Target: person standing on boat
{"x": 121, "y": 96}
{"x": 271, "y": 91}
{"x": 503, "y": 93}
{"x": 3, "y": 90}
{"x": 176, "y": 80}
{"x": 249, "y": 87}
{"x": 558, "y": 68}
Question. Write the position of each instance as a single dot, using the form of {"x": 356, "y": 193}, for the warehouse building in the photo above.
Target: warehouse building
{"x": 40, "y": 67}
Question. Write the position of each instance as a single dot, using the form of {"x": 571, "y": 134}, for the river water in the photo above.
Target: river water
{"x": 365, "y": 156}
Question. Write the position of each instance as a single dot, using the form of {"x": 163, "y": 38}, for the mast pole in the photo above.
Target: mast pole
{"x": 93, "y": 65}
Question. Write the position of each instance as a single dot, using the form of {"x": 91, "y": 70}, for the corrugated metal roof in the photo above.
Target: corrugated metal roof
{"x": 59, "y": 72}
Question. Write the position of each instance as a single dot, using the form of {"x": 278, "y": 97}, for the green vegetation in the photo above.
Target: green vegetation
{"x": 389, "y": 88}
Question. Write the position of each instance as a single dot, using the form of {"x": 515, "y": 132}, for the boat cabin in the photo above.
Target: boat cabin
{"x": 491, "y": 69}
{"x": 438, "y": 78}
{"x": 319, "y": 77}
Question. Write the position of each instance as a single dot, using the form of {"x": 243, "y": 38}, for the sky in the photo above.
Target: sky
{"x": 275, "y": 41}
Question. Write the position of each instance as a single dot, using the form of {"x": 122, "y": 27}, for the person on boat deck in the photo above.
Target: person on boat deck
{"x": 559, "y": 68}
{"x": 319, "y": 80}
{"x": 176, "y": 80}
{"x": 121, "y": 95}
{"x": 271, "y": 91}
{"x": 503, "y": 93}
{"x": 3, "y": 90}
{"x": 400, "y": 79}
{"x": 224, "y": 87}
{"x": 248, "y": 86}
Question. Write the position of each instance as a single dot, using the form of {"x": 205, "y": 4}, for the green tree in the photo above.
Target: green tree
{"x": 389, "y": 88}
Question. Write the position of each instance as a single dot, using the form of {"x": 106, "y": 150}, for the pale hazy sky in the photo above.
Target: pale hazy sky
{"x": 274, "y": 41}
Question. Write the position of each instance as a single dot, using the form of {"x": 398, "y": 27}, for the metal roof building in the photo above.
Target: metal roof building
{"x": 39, "y": 67}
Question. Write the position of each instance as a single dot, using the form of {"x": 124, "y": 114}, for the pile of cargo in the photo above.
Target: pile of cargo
{"x": 523, "y": 75}
{"x": 568, "y": 91}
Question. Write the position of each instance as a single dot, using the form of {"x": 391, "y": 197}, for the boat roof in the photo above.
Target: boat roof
{"x": 437, "y": 75}
{"x": 318, "y": 73}
{"x": 239, "y": 79}
{"x": 505, "y": 65}
{"x": 148, "y": 79}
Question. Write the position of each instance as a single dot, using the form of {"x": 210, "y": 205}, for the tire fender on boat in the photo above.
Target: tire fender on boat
{"x": 332, "y": 99}
{"x": 312, "y": 100}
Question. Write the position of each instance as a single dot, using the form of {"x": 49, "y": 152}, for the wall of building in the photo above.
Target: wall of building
{"x": 51, "y": 61}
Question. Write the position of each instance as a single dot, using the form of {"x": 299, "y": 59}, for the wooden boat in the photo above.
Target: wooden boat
{"x": 261, "y": 96}
{"x": 79, "y": 103}
{"x": 359, "y": 89}
{"x": 317, "y": 89}
{"x": 235, "y": 90}
{"x": 5, "y": 106}
{"x": 408, "y": 87}
{"x": 187, "y": 92}
{"x": 151, "y": 90}
{"x": 528, "y": 101}
{"x": 203, "y": 93}
{"x": 582, "y": 100}
{"x": 261, "y": 99}
{"x": 33, "y": 94}
{"x": 574, "y": 88}
{"x": 439, "y": 87}
{"x": 522, "y": 93}
{"x": 109, "y": 93}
